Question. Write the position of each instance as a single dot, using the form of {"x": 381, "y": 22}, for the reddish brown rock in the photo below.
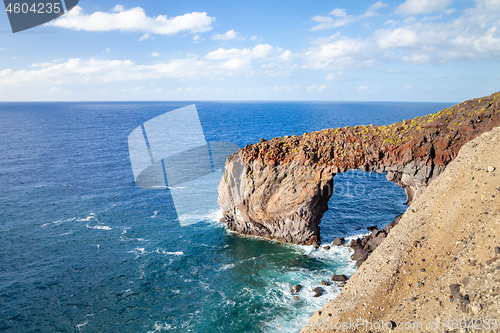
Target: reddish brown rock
{"x": 279, "y": 189}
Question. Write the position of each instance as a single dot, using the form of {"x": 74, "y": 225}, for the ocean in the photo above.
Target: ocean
{"x": 84, "y": 249}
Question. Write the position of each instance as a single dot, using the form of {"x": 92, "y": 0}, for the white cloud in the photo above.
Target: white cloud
{"x": 414, "y": 7}
{"x": 155, "y": 54}
{"x": 259, "y": 51}
{"x": 338, "y": 54}
{"x": 134, "y": 20}
{"x": 372, "y": 10}
{"x": 264, "y": 54}
{"x": 339, "y": 18}
{"x": 475, "y": 34}
{"x": 316, "y": 88}
{"x": 145, "y": 36}
{"x": 197, "y": 38}
{"x": 332, "y": 76}
{"x": 214, "y": 65}
{"x": 231, "y": 34}
{"x": 399, "y": 37}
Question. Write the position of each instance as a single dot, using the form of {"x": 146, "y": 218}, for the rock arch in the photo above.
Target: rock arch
{"x": 279, "y": 189}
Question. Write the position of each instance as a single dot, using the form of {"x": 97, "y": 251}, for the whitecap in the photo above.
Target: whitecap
{"x": 99, "y": 227}
{"x": 58, "y": 222}
{"x": 91, "y": 216}
{"x": 80, "y": 326}
{"x": 226, "y": 266}
{"x": 176, "y": 253}
{"x": 138, "y": 251}
{"x": 158, "y": 327}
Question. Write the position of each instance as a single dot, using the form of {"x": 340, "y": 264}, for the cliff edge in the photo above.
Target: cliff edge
{"x": 439, "y": 268}
{"x": 279, "y": 189}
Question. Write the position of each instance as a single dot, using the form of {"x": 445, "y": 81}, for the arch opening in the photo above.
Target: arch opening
{"x": 360, "y": 199}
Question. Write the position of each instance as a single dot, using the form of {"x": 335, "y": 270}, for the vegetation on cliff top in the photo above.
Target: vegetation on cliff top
{"x": 434, "y": 138}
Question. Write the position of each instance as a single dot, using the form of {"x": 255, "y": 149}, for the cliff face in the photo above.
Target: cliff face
{"x": 279, "y": 189}
{"x": 437, "y": 270}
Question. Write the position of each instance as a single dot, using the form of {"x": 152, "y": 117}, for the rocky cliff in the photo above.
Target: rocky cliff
{"x": 279, "y": 189}
{"x": 438, "y": 268}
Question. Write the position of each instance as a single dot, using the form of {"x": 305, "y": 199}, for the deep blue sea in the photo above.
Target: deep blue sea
{"x": 83, "y": 249}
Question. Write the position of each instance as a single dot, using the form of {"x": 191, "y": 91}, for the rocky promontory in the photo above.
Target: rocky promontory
{"x": 438, "y": 269}
{"x": 279, "y": 189}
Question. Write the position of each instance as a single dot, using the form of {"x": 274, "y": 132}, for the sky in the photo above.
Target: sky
{"x": 150, "y": 50}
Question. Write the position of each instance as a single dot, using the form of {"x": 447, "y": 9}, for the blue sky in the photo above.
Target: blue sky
{"x": 413, "y": 50}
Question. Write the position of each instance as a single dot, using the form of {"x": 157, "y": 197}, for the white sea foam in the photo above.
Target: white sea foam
{"x": 79, "y": 327}
{"x": 176, "y": 253}
{"x": 296, "y": 312}
{"x": 99, "y": 227}
{"x": 138, "y": 251}
{"x": 212, "y": 216}
{"x": 91, "y": 216}
{"x": 58, "y": 222}
{"x": 159, "y": 327}
{"x": 226, "y": 266}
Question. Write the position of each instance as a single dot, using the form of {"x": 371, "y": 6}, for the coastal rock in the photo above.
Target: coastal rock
{"x": 339, "y": 278}
{"x": 279, "y": 189}
{"x": 360, "y": 254}
{"x": 372, "y": 244}
{"x": 295, "y": 289}
{"x": 354, "y": 243}
{"x": 339, "y": 241}
{"x": 318, "y": 291}
{"x": 360, "y": 262}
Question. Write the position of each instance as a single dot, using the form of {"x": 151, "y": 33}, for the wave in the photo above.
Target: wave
{"x": 58, "y": 222}
{"x": 99, "y": 227}
{"x": 90, "y": 217}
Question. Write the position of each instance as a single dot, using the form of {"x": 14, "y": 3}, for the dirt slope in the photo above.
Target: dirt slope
{"x": 437, "y": 268}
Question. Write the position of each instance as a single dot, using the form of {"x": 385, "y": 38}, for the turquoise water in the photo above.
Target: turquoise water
{"x": 84, "y": 249}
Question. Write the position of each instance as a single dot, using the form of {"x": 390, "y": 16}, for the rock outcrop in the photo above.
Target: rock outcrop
{"x": 279, "y": 189}
{"x": 438, "y": 268}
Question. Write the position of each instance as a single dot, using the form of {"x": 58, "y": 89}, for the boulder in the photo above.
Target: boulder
{"x": 360, "y": 254}
{"x": 355, "y": 243}
{"x": 339, "y": 278}
{"x": 318, "y": 291}
{"x": 339, "y": 241}
{"x": 296, "y": 289}
{"x": 373, "y": 243}
{"x": 360, "y": 262}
